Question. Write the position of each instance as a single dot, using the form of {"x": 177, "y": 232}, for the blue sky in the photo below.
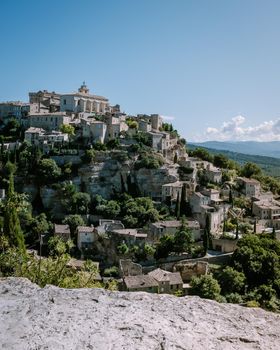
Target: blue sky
{"x": 212, "y": 65}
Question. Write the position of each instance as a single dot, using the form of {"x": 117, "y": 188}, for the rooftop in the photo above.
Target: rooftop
{"x": 140, "y": 281}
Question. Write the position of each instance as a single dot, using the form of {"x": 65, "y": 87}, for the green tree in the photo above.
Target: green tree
{"x": 12, "y": 229}
{"x": 164, "y": 247}
{"x": 73, "y": 221}
{"x": 232, "y": 281}
{"x": 205, "y": 239}
{"x": 205, "y": 286}
{"x": 80, "y": 203}
{"x": 48, "y": 171}
{"x": 250, "y": 170}
{"x": 67, "y": 129}
{"x": 183, "y": 240}
{"x": 220, "y": 161}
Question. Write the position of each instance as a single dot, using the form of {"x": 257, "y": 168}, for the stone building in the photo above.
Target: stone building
{"x": 161, "y": 228}
{"x": 157, "y": 281}
{"x": 45, "y": 101}
{"x": 62, "y": 231}
{"x": 93, "y": 130}
{"x": 13, "y": 109}
{"x": 83, "y": 101}
{"x": 86, "y": 237}
{"x": 249, "y": 187}
{"x": 38, "y": 136}
{"x": 48, "y": 121}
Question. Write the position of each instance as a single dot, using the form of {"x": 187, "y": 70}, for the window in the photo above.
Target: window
{"x": 64, "y": 102}
{"x": 79, "y": 102}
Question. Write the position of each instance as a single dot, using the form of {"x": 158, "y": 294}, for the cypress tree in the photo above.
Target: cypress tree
{"x": 183, "y": 204}
{"x": 177, "y": 208}
{"x": 205, "y": 240}
{"x": 12, "y": 229}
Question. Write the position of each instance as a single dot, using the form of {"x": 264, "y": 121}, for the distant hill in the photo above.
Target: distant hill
{"x": 268, "y": 149}
{"x": 270, "y": 165}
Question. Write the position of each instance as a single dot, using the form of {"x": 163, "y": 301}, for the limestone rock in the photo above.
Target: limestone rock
{"x": 55, "y": 319}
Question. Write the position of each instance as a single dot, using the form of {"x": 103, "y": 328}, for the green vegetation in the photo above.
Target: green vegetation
{"x": 252, "y": 277}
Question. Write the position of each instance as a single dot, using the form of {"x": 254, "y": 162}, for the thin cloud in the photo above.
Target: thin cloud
{"x": 234, "y": 130}
{"x": 168, "y": 117}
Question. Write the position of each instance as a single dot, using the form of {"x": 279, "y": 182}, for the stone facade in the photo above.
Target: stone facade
{"x": 48, "y": 121}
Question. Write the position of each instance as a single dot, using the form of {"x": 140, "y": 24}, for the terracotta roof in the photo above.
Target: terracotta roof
{"x": 85, "y": 229}
{"x": 64, "y": 229}
{"x": 140, "y": 281}
{"x": 165, "y": 276}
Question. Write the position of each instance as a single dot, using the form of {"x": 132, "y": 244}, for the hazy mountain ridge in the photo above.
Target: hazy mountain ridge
{"x": 270, "y": 165}
{"x": 268, "y": 149}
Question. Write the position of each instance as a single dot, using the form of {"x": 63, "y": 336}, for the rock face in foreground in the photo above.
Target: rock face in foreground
{"x": 52, "y": 318}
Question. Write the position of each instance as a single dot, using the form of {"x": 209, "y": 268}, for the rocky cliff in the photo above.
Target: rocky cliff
{"x": 52, "y": 318}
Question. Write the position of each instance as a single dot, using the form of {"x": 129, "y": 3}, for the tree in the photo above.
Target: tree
{"x": 183, "y": 204}
{"x": 183, "y": 240}
{"x": 48, "y": 171}
{"x": 164, "y": 247}
{"x": 110, "y": 210}
{"x": 205, "y": 286}
{"x": 177, "y": 207}
{"x": 54, "y": 270}
{"x": 38, "y": 226}
{"x": 250, "y": 170}
{"x": 12, "y": 229}
{"x": 232, "y": 281}
{"x": 80, "y": 203}
{"x": 67, "y": 129}
{"x": 73, "y": 221}
{"x": 205, "y": 240}
{"x": 220, "y": 161}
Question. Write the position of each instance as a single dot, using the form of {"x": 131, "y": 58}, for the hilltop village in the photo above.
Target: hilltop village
{"x": 148, "y": 214}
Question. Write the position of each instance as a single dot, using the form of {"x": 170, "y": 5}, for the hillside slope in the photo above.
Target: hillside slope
{"x": 52, "y": 318}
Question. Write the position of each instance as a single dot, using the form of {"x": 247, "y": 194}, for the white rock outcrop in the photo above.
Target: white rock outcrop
{"x": 52, "y": 318}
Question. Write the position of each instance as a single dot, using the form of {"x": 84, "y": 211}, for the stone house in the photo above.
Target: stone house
{"x": 168, "y": 282}
{"x": 62, "y": 231}
{"x": 140, "y": 283}
{"x": 197, "y": 200}
{"x": 13, "y": 109}
{"x": 154, "y": 120}
{"x": 224, "y": 245}
{"x": 161, "y": 228}
{"x": 39, "y": 137}
{"x": 115, "y": 126}
{"x": 249, "y": 187}
{"x": 157, "y": 281}
{"x": 171, "y": 191}
{"x": 48, "y": 121}
{"x": 93, "y": 130}
{"x": 32, "y": 135}
{"x": 86, "y": 237}
{"x": 266, "y": 210}
{"x": 129, "y": 235}
{"x": 213, "y": 174}
{"x": 45, "y": 101}
{"x": 144, "y": 125}
{"x": 106, "y": 225}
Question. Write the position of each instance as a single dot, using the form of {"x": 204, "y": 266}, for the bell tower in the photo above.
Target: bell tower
{"x": 84, "y": 89}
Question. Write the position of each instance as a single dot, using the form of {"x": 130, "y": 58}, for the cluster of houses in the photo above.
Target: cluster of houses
{"x": 95, "y": 120}
{"x": 92, "y": 116}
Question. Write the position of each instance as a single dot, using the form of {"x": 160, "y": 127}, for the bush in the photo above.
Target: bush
{"x": 234, "y": 298}
{"x": 205, "y": 286}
